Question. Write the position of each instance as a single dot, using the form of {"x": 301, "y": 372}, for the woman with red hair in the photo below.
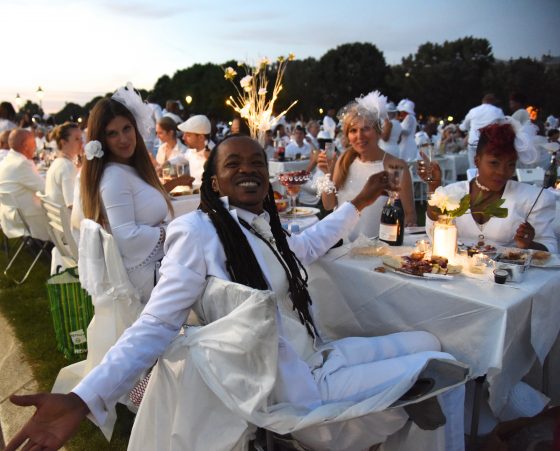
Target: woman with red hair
{"x": 496, "y": 158}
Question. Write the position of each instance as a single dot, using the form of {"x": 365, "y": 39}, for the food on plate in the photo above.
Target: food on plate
{"x": 392, "y": 261}
{"x": 419, "y": 267}
{"x": 480, "y": 247}
{"x": 281, "y": 204}
{"x": 380, "y": 269}
{"x": 514, "y": 255}
{"x": 277, "y": 195}
{"x": 541, "y": 256}
{"x": 454, "y": 269}
{"x": 417, "y": 255}
{"x": 180, "y": 191}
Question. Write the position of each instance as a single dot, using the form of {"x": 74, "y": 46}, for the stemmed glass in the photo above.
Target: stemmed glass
{"x": 293, "y": 181}
{"x": 425, "y": 164}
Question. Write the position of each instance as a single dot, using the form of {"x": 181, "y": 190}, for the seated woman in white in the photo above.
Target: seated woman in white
{"x": 171, "y": 147}
{"x": 361, "y": 125}
{"x": 120, "y": 190}
{"x": 237, "y": 236}
{"x": 496, "y": 158}
{"x": 61, "y": 176}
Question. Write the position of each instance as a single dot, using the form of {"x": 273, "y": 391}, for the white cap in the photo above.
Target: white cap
{"x": 407, "y": 106}
{"x": 198, "y": 124}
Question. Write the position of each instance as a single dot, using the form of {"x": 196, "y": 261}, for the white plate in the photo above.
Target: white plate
{"x": 426, "y": 276}
{"x": 552, "y": 262}
{"x": 301, "y": 212}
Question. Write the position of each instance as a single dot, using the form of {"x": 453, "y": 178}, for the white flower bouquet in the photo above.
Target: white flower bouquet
{"x": 452, "y": 202}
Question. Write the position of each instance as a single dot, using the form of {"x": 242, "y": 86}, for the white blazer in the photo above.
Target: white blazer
{"x": 20, "y": 179}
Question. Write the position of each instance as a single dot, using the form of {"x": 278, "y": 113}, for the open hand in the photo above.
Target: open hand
{"x": 56, "y": 419}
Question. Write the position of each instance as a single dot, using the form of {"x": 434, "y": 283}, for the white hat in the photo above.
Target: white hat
{"x": 391, "y": 108}
{"x": 407, "y": 106}
{"x": 198, "y": 124}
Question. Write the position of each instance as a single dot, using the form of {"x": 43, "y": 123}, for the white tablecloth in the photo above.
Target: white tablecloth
{"x": 276, "y": 167}
{"x": 303, "y": 223}
{"x": 499, "y": 330}
{"x": 185, "y": 204}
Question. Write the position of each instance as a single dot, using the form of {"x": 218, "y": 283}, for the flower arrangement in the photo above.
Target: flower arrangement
{"x": 452, "y": 202}
{"x": 253, "y": 101}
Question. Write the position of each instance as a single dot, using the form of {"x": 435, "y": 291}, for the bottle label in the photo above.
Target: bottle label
{"x": 388, "y": 232}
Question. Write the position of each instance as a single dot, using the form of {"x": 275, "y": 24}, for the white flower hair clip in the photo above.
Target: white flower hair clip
{"x": 375, "y": 103}
{"x": 131, "y": 99}
{"x": 324, "y": 184}
{"x": 93, "y": 149}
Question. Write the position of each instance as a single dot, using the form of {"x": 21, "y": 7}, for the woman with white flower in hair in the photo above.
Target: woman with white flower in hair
{"x": 525, "y": 226}
{"x": 119, "y": 187}
{"x": 361, "y": 124}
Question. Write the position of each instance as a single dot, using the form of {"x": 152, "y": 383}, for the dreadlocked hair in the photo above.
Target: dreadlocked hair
{"x": 241, "y": 263}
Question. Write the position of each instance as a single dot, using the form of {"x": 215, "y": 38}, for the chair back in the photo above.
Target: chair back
{"x": 447, "y": 166}
{"x": 58, "y": 218}
{"x": 471, "y": 173}
{"x": 534, "y": 176}
{"x": 8, "y": 201}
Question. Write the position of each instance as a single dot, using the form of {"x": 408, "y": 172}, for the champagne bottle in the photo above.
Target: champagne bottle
{"x": 391, "y": 229}
{"x": 551, "y": 174}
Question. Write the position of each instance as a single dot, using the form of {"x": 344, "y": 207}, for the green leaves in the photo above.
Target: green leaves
{"x": 464, "y": 206}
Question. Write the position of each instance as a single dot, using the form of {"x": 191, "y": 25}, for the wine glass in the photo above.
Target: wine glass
{"x": 425, "y": 164}
{"x": 293, "y": 181}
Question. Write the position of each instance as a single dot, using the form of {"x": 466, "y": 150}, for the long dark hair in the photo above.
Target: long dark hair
{"x": 241, "y": 262}
{"x": 104, "y": 111}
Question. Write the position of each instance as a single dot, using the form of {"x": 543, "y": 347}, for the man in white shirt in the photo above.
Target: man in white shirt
{"x": 312, "y": 132}
{"x": 329, "y": 124}
{"x": 477, "y": 118}
{"x": 196, "y": 131}
{"x": 20, "y": 179}
{"x": 298, "y": 148}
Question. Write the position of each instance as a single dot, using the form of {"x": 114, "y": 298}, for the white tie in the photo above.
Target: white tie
{"x": 262, "y": 227}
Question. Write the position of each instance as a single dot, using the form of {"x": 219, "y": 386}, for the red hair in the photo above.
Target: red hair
{"x": 497, "y": 139}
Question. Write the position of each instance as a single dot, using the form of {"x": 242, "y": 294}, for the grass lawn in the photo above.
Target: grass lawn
{"x": 26, "y": 307}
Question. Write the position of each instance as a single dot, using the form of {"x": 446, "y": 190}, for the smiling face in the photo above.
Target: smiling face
{"x": 241, "y": 173}
{"x": 121, "y": 139}
{"x": 362, "y": 136}
{"x": 495, "y": 170}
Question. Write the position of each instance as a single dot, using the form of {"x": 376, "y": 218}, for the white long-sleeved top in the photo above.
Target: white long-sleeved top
{"x": 479, "y": 117}
{"x": 193, "y": 251}
{"x": 19, "y": 178}
{"x": 519, "y": 198}
{"x": 59, "y": 186}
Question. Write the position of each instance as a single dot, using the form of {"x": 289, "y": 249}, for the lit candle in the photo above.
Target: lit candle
{"x": 445, "y": 240}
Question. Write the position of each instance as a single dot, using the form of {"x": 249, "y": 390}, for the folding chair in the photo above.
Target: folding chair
{"x": 7, "y": 200}
{"x": 60, "y": 231}
{"x": 448, "y": 172}
{"x": 534, "y": 176}
{"x": 419, "y": 187}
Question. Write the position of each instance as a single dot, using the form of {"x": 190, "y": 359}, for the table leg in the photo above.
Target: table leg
{"x": 477, "y": 403}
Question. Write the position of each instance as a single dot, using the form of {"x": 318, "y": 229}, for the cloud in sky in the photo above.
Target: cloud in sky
{"x": 97, "y": 45}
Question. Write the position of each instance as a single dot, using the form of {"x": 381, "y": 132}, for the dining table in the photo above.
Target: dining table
{"x": 500, "y": 331}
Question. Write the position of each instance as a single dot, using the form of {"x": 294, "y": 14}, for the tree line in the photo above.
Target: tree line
{"x": 442, "y": 79}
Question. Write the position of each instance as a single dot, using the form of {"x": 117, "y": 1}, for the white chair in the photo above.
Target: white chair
{"x": 27, "y": 239}
{"x": 227, "y": 368}
{"x": 534, "y": 176}
{"x": 471, "y": 173}
{"x": 419, "y": 187}
{"x": 60, "y": 231}
{"x": 448, "y": 173}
